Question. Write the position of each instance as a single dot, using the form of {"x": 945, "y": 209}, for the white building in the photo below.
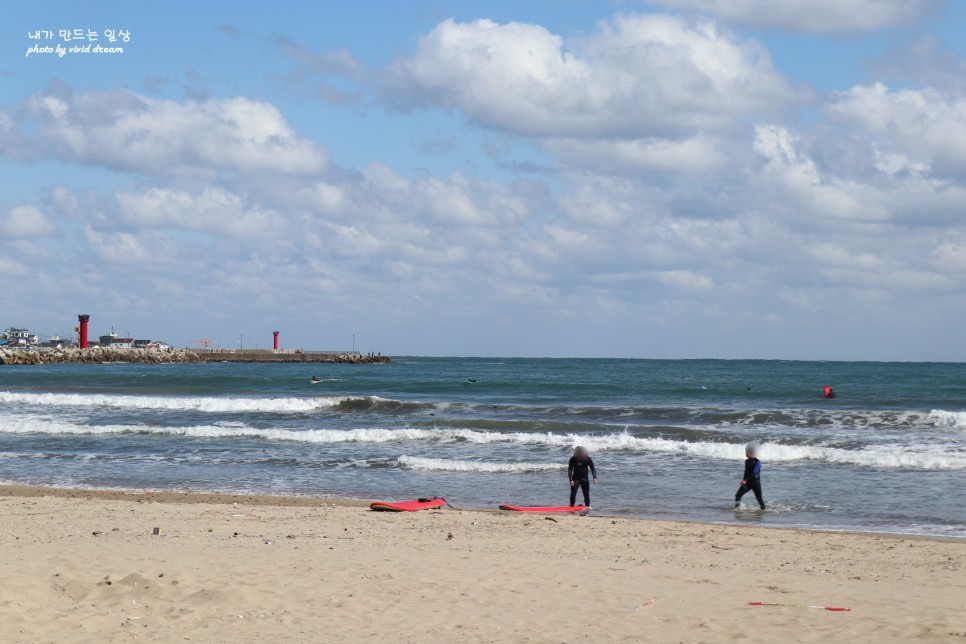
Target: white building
{"x": 19, "y": 337}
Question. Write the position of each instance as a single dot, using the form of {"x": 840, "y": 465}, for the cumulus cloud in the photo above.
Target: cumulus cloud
{"x": 698, "y": 154}
{"x": 639, "y": 75}
{"x": 213, "y": 210}
{"x": 129, "y": 132}
{"x": 926, "y": 124}
{"x": 26, "y": 221}
{"x": 681, "y": 194}
{"x": 803, "y": 187}
{"x": 812, "y": 16}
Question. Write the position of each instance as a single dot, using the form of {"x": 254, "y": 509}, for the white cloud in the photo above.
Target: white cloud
{"x": 685, "y": 279}
{"x": 681, "y": 199}
{"x": 812, "y": 16}
{"x": 129, "y": 132}
{"x": 214, "y": 210}
{"x": 26, "y": 221}
{"x": 698, "y": 154}
{"x": 12, "y": 268}
{"x": 639, "y": 76}
{"x": 923, "y": 124}
{"x": 802, "y": 187}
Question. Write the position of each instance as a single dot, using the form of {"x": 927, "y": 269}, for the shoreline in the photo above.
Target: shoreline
{"x": 269, "y": 500}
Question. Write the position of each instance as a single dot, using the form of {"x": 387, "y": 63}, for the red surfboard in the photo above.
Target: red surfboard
{"x": 407, "y": 506}
{"x": 545, "y": 509}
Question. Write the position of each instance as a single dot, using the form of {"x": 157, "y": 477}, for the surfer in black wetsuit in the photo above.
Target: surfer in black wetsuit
{"x": 577, "y": 470}
{"x": 751, "y": 479}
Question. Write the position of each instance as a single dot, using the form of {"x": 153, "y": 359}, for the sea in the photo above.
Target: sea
{"x": 888, "y": 454}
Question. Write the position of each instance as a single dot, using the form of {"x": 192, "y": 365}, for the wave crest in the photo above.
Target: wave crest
{"x": 943, "y": 418}
{"x": 450, "y": 465}
{"x": 892, "y": 456}
{"x": 193, "y": 403}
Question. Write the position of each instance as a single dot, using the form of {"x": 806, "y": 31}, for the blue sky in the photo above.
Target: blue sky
{"x": 686, "y": 178}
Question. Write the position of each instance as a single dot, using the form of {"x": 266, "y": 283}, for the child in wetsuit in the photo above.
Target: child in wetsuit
{"x": 751, "y": 479}
{"x": 577, "y": 471}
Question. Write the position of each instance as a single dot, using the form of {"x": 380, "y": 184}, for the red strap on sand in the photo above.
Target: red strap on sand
{"x": 838, "y": 609}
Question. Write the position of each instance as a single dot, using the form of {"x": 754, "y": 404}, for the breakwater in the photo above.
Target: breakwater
{"x": 270, "y": 355}
{"x": 100, "y": 355}
{"x": 96, "y": 356}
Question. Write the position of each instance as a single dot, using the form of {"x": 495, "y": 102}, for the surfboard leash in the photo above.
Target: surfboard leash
{"x": 451, "y": 507}
{"x": 837, "y": 609}
{"x": 438, "y": 498}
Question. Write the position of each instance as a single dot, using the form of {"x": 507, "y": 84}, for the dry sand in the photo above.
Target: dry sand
{"x": 85, "y": 567}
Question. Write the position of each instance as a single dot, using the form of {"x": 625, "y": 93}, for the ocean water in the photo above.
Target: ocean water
{"x": 889, "y": 454}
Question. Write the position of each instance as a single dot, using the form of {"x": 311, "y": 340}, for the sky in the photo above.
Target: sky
{"x": 675, "y": 179}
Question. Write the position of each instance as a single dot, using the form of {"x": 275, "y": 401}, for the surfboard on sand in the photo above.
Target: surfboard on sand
{"x": 545, "y": 509}
{"x": 407, "y": 506}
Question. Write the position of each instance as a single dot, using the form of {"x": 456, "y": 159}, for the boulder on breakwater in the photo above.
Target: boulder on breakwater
{"x": 95, "y": 355}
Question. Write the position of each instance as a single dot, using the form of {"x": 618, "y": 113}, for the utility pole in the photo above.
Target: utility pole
{"x": 353, "y": 343}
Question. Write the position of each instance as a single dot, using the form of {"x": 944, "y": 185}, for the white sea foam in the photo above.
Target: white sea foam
{"x": 27, "y": 425}
{"x": 450, "y": 465}
{"x": 202, "y": 404}
{"x": 943, "y": 418}
{"x": 926, "y": 457}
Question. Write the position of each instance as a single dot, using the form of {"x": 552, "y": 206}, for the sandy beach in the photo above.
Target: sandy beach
{"x": 86, "y": 567}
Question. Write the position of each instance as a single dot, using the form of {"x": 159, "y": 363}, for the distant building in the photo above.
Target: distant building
{"x": 54, "y": 342}
{"x": 113, "y": 341}
{"x": 16, "y": 337}
{"x": 151, "y": 344}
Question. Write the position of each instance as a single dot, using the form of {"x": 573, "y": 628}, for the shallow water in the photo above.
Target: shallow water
{"x": 889, "y": 454}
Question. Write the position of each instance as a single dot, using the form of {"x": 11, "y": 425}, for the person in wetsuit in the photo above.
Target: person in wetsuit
{"x": 751, "y": 479}
{"x": 577, "y": 470}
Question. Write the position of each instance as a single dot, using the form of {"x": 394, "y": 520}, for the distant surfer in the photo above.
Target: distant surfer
{"x": 751, "y": 479}
{"x": 581, "y": 464}
{"x": 315, "y": 380}
{"x": 471, "y": 381}
{"x": 828, "y": 392}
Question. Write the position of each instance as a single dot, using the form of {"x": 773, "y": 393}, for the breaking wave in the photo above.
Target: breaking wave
{"x": 926, "y": 457}
{"x": 202, "y": 404}
{"x": 943, "y": 418}
{"x": 807, "y": 419}
{"x": 450, "y": 465}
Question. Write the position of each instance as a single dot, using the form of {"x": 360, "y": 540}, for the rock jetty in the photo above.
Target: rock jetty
{"x": 98, "y": 355}
{"x": 287, "y": 355}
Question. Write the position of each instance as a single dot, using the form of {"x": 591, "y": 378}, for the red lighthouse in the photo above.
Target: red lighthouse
{"x": 82, "y": 330}
{"x": 275, "y": 333}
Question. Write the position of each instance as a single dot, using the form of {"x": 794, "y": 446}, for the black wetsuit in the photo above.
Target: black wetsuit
{"x": 577, "y": 472}
{"x": 752, "y": 479}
